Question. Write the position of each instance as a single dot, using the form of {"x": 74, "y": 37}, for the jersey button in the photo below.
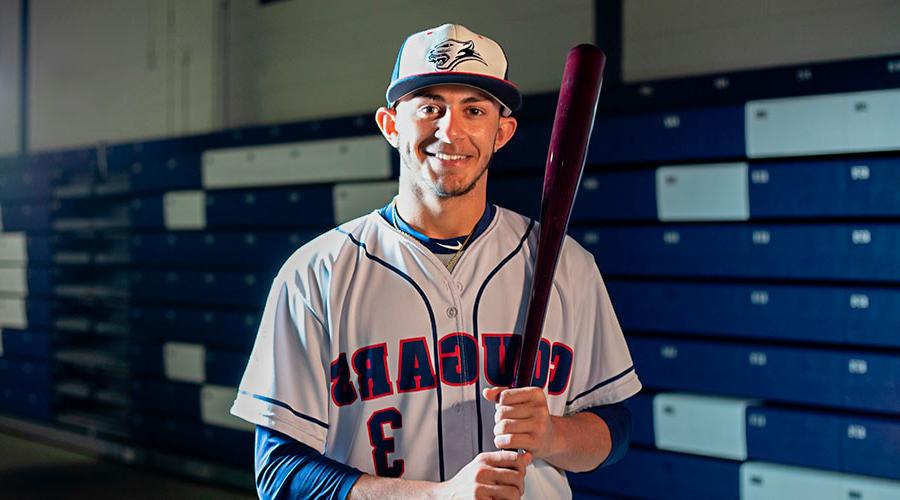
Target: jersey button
{"x": 451, "y": 311}
{"x": 458, "y": 286}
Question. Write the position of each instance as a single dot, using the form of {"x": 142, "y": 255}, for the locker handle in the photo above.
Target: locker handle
{"x": 669, "y": 410}
{"x": 757, "y": 480}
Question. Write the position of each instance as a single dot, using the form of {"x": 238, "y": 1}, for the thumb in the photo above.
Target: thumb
{"x": 492, "y": 394}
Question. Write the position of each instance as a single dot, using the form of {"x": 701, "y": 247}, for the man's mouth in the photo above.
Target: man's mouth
{"x": 447, "y": 156}
{"x": 442, "y": 156}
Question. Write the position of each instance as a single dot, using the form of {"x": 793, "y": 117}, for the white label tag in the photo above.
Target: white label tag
{"x": 185, "y": 209}
{"x": 215, "y": 406}
{"x": 184, "y": 362}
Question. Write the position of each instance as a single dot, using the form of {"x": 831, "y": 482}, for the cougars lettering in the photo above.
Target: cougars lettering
{"x": 365, "y": 375}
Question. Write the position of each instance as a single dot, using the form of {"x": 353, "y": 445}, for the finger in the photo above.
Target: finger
{"x": 517, "y": 412}
{"x": 492, "y": 394}
{"x": 501, "y": 458}
{"x": 498, "y": 492}
{"x": 517, "y": 426}
{"x": 521, "y": 395}
{"x": 514, "y": 477}
{"x": 515, "y": 441}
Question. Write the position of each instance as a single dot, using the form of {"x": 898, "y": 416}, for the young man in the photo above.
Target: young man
{"x": 382, "y": 360}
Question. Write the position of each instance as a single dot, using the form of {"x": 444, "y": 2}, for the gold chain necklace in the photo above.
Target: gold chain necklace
{"x": 450, "y": 263}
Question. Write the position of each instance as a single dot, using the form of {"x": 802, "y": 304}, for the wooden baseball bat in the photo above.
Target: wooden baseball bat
{"x": 569, "y": 140}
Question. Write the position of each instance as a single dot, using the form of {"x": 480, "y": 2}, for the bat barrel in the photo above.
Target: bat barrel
{"x": 575, "y": 112}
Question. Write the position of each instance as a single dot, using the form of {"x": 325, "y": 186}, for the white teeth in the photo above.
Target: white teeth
{"x": 442, "y": 156}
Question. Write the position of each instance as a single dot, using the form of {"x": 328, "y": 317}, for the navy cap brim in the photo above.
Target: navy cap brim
{"x": 503, "y": 91}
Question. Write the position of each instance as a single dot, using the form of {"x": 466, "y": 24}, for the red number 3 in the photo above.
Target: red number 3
{"x": 382, "y": 445}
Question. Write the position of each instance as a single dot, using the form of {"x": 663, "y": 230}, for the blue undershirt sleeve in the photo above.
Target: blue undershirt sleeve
{"x": 618, "y": 418}
{"x": 288, "y": 469}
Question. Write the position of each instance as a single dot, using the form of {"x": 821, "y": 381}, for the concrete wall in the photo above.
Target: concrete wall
{"x": 9, "y": 77}
{"x": 119, "y": 70}
{"x": 319, "y": 58}
{"x": 686, "y": 37}
{"x": 105, "y": 70}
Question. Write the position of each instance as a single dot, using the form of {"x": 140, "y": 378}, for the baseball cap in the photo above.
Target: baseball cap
{"x": 452, "y": 53}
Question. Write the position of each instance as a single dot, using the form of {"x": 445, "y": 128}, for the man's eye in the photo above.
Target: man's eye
{"x": 428, "y": 109}
{"x": 476, "y": 111}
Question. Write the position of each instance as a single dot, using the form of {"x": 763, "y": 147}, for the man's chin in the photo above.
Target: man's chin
{"x": 443, "y": 192}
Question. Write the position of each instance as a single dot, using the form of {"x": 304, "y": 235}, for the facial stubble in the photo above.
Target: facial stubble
{"x": 407, "y": 157}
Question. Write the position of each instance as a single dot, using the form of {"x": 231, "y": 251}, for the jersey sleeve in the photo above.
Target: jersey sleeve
{"x": 286, "y": 383}
{"x": 603, "y": 371}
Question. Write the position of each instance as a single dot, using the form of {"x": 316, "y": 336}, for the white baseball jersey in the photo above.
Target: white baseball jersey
{"x": 370, "y": 351}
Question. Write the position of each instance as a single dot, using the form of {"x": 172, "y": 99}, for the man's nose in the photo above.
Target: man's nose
{"x": 449, "y": 126}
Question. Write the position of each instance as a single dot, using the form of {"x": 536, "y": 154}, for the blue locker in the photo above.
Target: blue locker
{"x": 298, "y": 131}
{"x": 39, "y": 312}
{"x": 196, "y": 439}
{"x": 627, "y": 477}
{"x": 27, "y": 217}
{"x": 32, "y": 376}
{"x": 670, "y": 250}
{"x": 522, "y": 194}
{"x": 39, "y": 248}
{"x": 193, "y": 287}
{"x": 123, "y": 156}
{"x": 871, "y": 252}
{"x": 871, "y": 446}
{"x": 790, "y": 251}
{"x": 25, "y": 184}
{"x": 627, "y": 195}
{"x": 229, "y": 329}
{"x": 146, "y": 212}
{"x": 224, "y": 367}
{"x": 247, "y": 250}
{"x": 26, "y": 402}
{"x": 146, "y": 358}
{"x": 804, "y": 438}
{"x": 170, "y": 398}
{"x": 654, "y": 474}
{"x": 23, "y": 345}
{"x": 799, "y": 375}
{"x": 291, "y": 207}
{"x": 168, "y": 173}
{"x": 526, "y": 151}
{"x": 847, "y": 252}
{"x": 765, "y": 311}
{"x": 577, "y": 495}
{"x": 872, "y": 186}
{"x": 798, "y": 189}
{"x": 825, "y": 188}
{"x": 19, "y": 249}
{"x": 40, "y": 281}
{"x": 688, "y": 134}
{"x": 871, "y": 381}
{"x": 221, "y": 366}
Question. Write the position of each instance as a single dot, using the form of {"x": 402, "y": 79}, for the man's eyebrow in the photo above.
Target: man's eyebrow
{"x": 428, "y": 95}
{"x": 436, "y": 97}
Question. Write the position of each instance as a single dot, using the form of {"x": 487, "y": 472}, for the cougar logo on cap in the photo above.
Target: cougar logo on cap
{"x": 450, "y": 53}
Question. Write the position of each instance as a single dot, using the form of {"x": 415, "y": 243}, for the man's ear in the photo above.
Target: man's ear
{"x": 505, "y": 131}
{"x": 386, "y": 118}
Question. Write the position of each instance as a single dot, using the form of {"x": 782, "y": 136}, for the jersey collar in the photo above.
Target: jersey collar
{"x": 438, "y": 245}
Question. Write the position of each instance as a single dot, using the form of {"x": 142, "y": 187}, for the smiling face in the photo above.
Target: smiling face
{"x": 446, "y": 136}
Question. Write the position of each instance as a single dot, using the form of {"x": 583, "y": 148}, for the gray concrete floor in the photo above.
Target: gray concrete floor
{"x": 36, "y": 471}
